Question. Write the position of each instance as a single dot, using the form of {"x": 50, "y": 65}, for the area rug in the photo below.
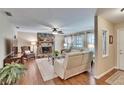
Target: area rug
{"x": 46, "y": 69}
{"x": 116, "y": 79}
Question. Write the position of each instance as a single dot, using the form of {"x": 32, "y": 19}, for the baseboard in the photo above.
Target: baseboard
{"x": 101, "y": 75}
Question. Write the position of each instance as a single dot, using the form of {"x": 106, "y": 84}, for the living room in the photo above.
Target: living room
{"x": 47, "y": 50}
{"x": 40, "y": 40}
{"x": 58, "y": 49}
{"x": 27, "y": 18}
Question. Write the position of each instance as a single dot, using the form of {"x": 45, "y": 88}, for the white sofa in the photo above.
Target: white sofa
{"x": 74, "y": 63}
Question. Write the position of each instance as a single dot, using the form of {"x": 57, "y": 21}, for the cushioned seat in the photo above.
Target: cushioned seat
{"x": 27, "y": 54}
{"x": 74, "y": 63}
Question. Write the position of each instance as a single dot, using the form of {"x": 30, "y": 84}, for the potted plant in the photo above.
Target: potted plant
{"x": 11, "y": 73}
{"x": 56, "y": 53}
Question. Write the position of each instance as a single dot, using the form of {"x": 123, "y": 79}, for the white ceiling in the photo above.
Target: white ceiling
{"x": 67, "y": 19}
{"x": 112, "y": 14}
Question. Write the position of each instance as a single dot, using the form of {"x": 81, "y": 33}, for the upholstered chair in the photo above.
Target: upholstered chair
{"x": 74, "y": 63}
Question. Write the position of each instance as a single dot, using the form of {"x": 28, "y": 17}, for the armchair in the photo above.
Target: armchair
{"x": 27, "y": 54}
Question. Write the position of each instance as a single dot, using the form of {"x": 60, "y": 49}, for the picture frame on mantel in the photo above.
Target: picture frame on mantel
{"x": 110, "y": 39}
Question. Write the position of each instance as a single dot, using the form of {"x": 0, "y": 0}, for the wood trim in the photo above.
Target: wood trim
{"x": 104, "y": 73}
{"x": 118, "y": 45}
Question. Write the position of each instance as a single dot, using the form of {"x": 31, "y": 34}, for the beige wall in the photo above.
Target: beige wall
{"x": 119, "y": 26}
{"x": 6, "y": 32}
{"x": 25, "y": 39}
{"x": 103, "y": 64}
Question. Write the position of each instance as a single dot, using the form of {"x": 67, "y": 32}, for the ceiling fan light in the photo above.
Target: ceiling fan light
{"x": 54, "y": 33}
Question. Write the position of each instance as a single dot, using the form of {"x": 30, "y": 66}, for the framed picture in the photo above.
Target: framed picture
{"x": 110, "y": 39}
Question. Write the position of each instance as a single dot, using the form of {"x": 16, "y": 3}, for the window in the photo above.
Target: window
{"x": 68, "y": 42}
{"x": 78, "y": 41}
{"x": 90, "y": 41}
{"x": 105, "y": 43}
{"x": 75, "y": 41}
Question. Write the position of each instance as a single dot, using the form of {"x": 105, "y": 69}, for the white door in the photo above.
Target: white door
{"x": 121, "y": 44}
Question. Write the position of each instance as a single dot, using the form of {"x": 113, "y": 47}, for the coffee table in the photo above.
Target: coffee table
{"x": 52, "y": 58}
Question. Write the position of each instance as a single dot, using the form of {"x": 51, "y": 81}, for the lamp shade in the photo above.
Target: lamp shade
{"x": 91, "y": 46}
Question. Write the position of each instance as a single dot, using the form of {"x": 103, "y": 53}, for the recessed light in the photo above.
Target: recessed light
{"x": 122, "y": 10}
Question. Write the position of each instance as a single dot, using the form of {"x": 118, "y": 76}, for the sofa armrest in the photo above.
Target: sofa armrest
{"x": 59, "y": 67}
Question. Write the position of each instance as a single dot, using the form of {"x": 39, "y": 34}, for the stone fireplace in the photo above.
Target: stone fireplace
{"x": 45, "y": 44}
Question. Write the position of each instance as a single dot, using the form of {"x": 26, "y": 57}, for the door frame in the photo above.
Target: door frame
{"x": 118, "y": 48}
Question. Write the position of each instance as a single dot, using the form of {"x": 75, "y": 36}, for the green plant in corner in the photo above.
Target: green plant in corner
{"x": 11, "y": 73}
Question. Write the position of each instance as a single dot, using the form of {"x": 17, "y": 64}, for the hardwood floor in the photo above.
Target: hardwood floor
{"x": 33, "y": 77}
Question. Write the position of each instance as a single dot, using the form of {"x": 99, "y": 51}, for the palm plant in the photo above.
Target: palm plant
{"x": 11, "y": 73}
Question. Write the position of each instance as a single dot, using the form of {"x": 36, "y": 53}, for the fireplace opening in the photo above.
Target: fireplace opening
{"x": 46, "y": 49}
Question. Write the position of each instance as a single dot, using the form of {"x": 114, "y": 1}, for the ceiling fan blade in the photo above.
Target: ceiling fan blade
{"x": 51, "y": 28}
{"x": 60, "y": 32}
{"x": 46, "y": 25}
{"x": 66, "y": 28}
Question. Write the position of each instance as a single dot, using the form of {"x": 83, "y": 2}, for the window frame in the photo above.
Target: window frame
{"x": 105, "y": 40}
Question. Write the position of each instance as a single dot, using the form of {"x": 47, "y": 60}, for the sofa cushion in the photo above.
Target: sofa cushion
{"x": 74, "y": 60}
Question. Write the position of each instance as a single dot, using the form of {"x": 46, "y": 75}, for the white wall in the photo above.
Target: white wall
{"x": 6, "y": 32}
{"x": 25, "y": 39}
{"x": 59, "y": 42}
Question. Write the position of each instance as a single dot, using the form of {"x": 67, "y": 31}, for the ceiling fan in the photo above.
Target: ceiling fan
{"x": 53, "y": 28}
{"x": 55, "y": 31}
